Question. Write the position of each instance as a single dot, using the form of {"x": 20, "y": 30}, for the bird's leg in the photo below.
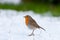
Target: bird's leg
{"x": 32, "y": 33}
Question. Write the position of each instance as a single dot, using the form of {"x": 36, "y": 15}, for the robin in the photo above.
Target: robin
{"x": 31, "y": 23}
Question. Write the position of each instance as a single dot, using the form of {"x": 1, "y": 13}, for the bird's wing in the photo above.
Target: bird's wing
{"x": 33, "y": 23}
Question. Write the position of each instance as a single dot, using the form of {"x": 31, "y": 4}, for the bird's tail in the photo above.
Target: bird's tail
{"x": 42, "y": 28}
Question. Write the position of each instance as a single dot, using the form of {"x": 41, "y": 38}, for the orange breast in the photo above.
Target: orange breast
{"x": 26, "y": 20}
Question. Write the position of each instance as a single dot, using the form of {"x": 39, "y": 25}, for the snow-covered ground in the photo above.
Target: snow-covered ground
{"x": 12, "y": 26}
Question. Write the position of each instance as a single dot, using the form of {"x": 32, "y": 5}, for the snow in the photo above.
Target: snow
{"x": 12, "y": 26}
{"x": 10, "y": 1}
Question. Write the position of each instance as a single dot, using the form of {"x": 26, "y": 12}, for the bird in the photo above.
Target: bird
{"x": 32, "y": 24}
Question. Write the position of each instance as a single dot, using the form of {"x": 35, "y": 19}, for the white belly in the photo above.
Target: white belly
{"x": 31, "y": 27}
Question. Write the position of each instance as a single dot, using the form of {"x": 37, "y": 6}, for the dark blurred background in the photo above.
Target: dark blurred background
{"x": 54, "y": 2}
{"x": 38, "y": 6}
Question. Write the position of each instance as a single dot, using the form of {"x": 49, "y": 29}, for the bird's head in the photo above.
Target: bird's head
{"x": 27, "y": 16}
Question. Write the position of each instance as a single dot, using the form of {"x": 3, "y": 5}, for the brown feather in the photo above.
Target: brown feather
{"x": 32, "y": 22}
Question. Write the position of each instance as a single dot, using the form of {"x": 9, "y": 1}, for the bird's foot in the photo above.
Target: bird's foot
{"x": 31, "y": 34}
